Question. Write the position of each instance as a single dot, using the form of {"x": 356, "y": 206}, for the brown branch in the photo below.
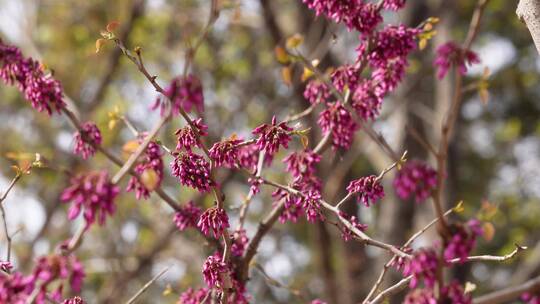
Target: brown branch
{"x": 508, "y": 294}
{"x": 146, "y": 286}
{"x": 528, "y": 11}
{"x": 3, "y": 212}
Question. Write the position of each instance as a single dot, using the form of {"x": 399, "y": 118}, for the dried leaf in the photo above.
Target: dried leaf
{"x": 281, "y": 55}
{"x": 459, "y": 207}
{"x": 129, "y": 148}
{"x": 294, "y": 41}
{"x": 150, "y": 179}
{"x": 488, "y": 231}
{"x": 113, "y": 25}
{"x": 286, "y": 74}
{"x": 99, "y": 44}
{"x": 422, "y": 44}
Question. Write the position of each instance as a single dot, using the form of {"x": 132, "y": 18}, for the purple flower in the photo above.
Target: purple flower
{"x": 337, "y": 120}
{"x": 415, "y": 178}
{"x": 15, "y": 288}
{"x": 394, "y": 42}
{"x": 316, "y": 91}
{"x": 346, "y": 233}
{"x": 214, "y": 271}
{"x": 150, "y": 171}
{"x": 187, "y": 216}
{"x": 529, "y": 298}
{"x": 303, "y": 163}
{"x": 255, "y": 183}
{"x": 272, "y": 136}
{"x": 57, "y": 268}
{"x": 454, "y": 293}
{"x": 423, "y": 265}
{"x": 346, "y": 76}
{"x": 86, "y": 140}
{"x": 191, "y": 296}
{"x": 292, "y": 205}
{"x": 463, "y": 240}
{"x": 248, "y": 157}
{"x": 214, "y": 219}
{"x": 75, "y": 300}
{"x": 226, "y": 153}
{"x": 368, "y": 188}
{"x": 6, "y": 266}
{"x": 450, "y": 54}
{"x": 43, "y": 91}
{"x": 318, "y": 301}
{"x": 367, "y": 100}
{"x": 393, "y": 5}
{"x": 94, "y": 194}
{"x": 192, "y": 170}
{"x": 312, "y": 206}
{"x": 239, "y": 242}
{"x": 187, "y": 138}
{"x": 184, "y": 93}
{"x": 420, "y": 296}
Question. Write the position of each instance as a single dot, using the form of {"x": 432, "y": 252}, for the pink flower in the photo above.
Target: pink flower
{"x": 187, "y": 139}
{"x": 454, "y": 293}
{"x": 367, "y": 100}
{"x": 192, "y": 170}
{"x": 255, "y": 183}
{"x": 463, "y": 240}
{"x": 214, "y": 271}
{"x": 394, "y": 42}
{"x": 187, "y": 216}
{"x": 150, "y": 164}
{"x": 393, "y": 5}
{"x": 191, "y": 296}
{"x": 272, "y": 136}
{"x": 86, "y": 140}
{"x": 6, "y": 266}
{"x": 15, "y": 288}
{"x": 75, "y": 300}
{"x": 530, "y": 298}
{"x": 43, "y": 91}
{"x": 226, "y": 153}
{"x": 368, "y": 188}
{"x": 57, "y": 268}
{"x": 214, "y": 219}
{"x": 423, "y": 265}
{"x": 317, "y": 301}
{"x": 346, "y": 233}
{"x": 303, "y": 163}
{"x": 316, "y": 92}
{"x": 312, "y": 206}
{"x": 420, "y": 296}
{"x": 292, "y": 205}
{"x": 415, "y": 178}
{"x": 248, "y": 157}
{"x": 184, "y": 93}
{"x": 240, "y": 241}
{"x": 337, "y": 120}
{"x": 346, "y": 76}
{"x": 94, "y": 194}
{"x": 450, "y": 54}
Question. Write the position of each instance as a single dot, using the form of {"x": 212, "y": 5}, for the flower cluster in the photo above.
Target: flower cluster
{"x": 369, "y": 189}
{"x": 214, "y": 219}
{"x": 93, "y": 193}
{"x": 272, "y": 136}
{"x": 214, "y": 271}
{"x": 75, "y": 300}
{"x": 248, "y": 157}
{"x": 184, "y": 93}
{"x": 346, "y": 233}
{"x": 57, "y": 267}
{"x": 303, "y": 163}
{"x": 226, "y": 152}
{"x": 239, "y": 242}
{"x": 367, "y": 99}
{"x": 292, "y": 205}
{"x": 337, "y": 120}
{"x": 15, "y": 288}
{"x": 312, "y": 206}
{"x": 450, "y": 54}
{"x": 454, "y": 293}
{"x": 150, "y": 171}
{"x": 316, "y": 91}
{"x": 187, "y": 139}
{"x": 415, "y": 178}
{"x": 463, "y": 240}
{"x": 6, "y": 266}
{"x": 393, "y": 5}
{"x": 530, "y": 298}
{"x": 192, "y": 296}
{"x": 423, "y": 265}
{"x": 40, "y": 88}
{"x": 192, "y": 170}
{"x": 86, "y": 139}
{"x": 187, "y": 216}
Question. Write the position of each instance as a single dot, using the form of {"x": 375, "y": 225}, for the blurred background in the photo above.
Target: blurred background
{"x": 494, "y": 157}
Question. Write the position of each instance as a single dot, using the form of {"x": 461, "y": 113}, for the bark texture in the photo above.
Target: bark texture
{"x": 528, "y": 11}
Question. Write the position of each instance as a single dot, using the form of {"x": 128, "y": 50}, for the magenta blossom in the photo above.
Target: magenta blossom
{"x": 417, "y": 178}
{"x": 6, "y": 266}
{"x": 312, "y": 206}
{"x": 214, "y": 219}
{"x": 420, "y": 296}
{"x": 86, "y": 140}
{"x": 192, "y": 296}
{"x": 94, "y": 194}
{"x": 316, "y": 92}
{"x": 450, "y": 54}
{"x": 346, "y": 233}
{"x": 150, "y": 171}
{"x": 185, "y": 93}
{"x": 454, "y": 293}
{"x": 394, "y": 42}
{"x": 367, "y": 100}
{"x": 187, "y": 139}
{"x": 187, "y": 216}
{"x": 43, "y": 91}
{"x": 214, "y": 272}
{"x": 57, "y": 268}
{"x": 345, "y": 77}
{"x": 75, "y": 300}
{"x": 423, "y": 265}
{"x": 272, "y": 136}
{"x": 463, "y": 240}
{"x": 337, "y": 121}
{"x": 292, "y": 205}
{"x": 393, "y": 5}
{"x": 16, "y": 288}
{"x": 248, "y": 157}
{"x": 303, "y": 163}
{"x": 530, "y": 298}
{"x": 226, "y": 152}
{"x": 192, "y": 170}
{"x": 318, "y": 301}
{"x": 369, "y": 189}
{"x": 239, "y": 242}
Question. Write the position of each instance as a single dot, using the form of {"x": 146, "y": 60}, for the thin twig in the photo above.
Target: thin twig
{"x": 146, "y": 286}
{"x": 3, "y": 212}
